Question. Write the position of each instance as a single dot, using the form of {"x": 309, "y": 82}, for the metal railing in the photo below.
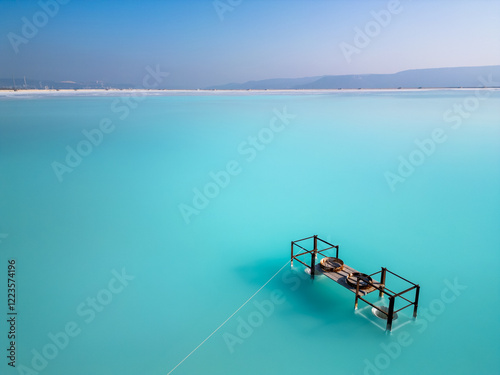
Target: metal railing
{"x": 392, "y": 296}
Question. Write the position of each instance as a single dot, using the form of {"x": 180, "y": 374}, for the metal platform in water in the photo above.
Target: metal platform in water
{"x": 359, "y": 283}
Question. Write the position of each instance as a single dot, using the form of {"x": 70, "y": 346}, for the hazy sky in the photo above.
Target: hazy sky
{"x": 241, "y": 40}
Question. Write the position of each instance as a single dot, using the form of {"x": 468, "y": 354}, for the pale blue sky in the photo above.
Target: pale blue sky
{"x": 258, "y": 39}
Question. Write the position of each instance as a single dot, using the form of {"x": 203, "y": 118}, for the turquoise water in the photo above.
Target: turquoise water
{"x": 140, "y": 245}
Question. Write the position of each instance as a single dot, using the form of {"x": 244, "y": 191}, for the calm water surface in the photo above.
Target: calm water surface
{"x": 138, "y": 227}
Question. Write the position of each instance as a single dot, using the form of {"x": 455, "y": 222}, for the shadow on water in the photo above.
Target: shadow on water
{"x": 321, "y": 300}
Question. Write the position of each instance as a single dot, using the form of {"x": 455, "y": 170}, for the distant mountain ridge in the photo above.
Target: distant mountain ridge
{"x": 476, "y": 76}
{"x": 276, "y": 84}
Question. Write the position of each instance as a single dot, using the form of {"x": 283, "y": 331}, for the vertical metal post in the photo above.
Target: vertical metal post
{"x": 390, "y": 313}
{"x": 417, "y": 293}
{"x": 313, "y": 263}
{"x": 291, "y": 256}
{"x": 313, "y": 256}
{"x": 382, "y": 281}
{"x": 337, "y": 254}
{"x": 357, "y": 294}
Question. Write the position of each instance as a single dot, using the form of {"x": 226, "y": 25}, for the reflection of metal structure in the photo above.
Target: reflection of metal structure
{"x": 359, "y": 283}
{"x": 382, "y": 312}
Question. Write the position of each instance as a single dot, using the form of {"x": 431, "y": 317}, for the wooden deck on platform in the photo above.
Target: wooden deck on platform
{"x": 341, "y": 277}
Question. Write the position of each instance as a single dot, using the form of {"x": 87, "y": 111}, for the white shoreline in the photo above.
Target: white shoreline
{"x": 143, "y": 92}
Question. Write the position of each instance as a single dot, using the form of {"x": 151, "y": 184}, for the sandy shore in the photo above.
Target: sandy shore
{"x": 141, "y": 92}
